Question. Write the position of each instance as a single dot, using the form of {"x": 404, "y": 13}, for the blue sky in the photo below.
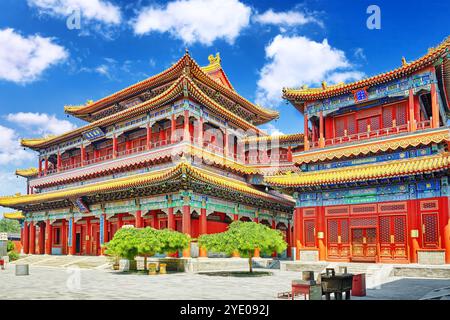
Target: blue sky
{"x": 264, "y": 46}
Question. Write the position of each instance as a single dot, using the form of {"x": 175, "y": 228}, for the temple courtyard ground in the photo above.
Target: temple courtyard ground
{"x": 57, "y": 282}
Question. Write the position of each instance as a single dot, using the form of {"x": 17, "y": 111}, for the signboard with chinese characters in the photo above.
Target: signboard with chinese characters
{"x": 360, "y": 95}
{"x": 93, "y": 134}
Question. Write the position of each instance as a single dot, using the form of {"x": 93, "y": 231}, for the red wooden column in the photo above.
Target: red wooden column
{"x": 200, "y": 132}
{"x": 434, "y": 106}
{"x": 170, "y": 219}
{"x": 83, "y": 155}
{"x": 149, "y": 136}
{"x": 445, "y": 214}
{"x": 274, "y": 227}
{"x": 257, "y": 252}
{"x": 154, "y": 215}
{"x": 114, "y": 146}
{"x": 225, "y": 143}
{"x": 186, "y": 133}
{"x": 88, "y": 236}
{"x": 32, "y": 238}
{"x": 74, "y": 235}
{"x": 119, "y": 220}
{"x": 411, "y": 111}
{"x": 321, "y": 131}
{"x": 413, "y": 231}
{"x": 105, "y": 232}
{"x": 41, "y": 238}
{"x": 58, "y": 162}
{"x": 186, "y": 223}
{"x": 235, "y": 253}
{"x": 297, "y": 232}
{"x": 64, "y": 237}
{"x": 173, "y": 128}
{"x": 288, "y": 240}
{"x": 46, "y": 166}
{"x": 289, "y": 154}
{"x": 48, "y": 237}
{"x": 139, "y": 221}
{"x": 321, "y": 233}
{"x": 26, "y": 237}
{"x": 40, "y": 167}
{"x": 203, "y": 228}
{"x": 305, "y": 132}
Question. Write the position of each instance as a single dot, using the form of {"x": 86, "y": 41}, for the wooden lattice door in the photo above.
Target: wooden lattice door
{"x": 338, "y": 238}
{"x": 309, "y": 232}
{"x": 393, "y": 238}
{"x": 364, "y": 244}
{"x": 430, "y": 230}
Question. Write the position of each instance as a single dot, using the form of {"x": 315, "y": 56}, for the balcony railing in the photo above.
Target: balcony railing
{"x": 370, "y": 134}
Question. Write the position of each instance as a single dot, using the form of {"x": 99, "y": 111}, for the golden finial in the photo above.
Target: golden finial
{"x": 324, "y": 85}
{"x": 404, "y": 63}
{"x": 304, "y": 87}
{"x": 88, "y": 102}
{"x": 214, "y": 59}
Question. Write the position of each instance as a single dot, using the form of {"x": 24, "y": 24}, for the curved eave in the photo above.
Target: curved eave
{"x": 295, "y": 137}
{"x": 17, "y": 215}
{"x": 182, "y": 171}
{"x": 27, "y": 173}
{"x": 296, "y": 95}
{"x": 363, "y": 173}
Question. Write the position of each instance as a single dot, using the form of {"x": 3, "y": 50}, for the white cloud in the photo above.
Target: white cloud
{"x": 193, "y": 21}
{"x": 272, "y": 130}
{"x": 288, "y": 18}
{"x": 10, "y": 150}
{"x": 92, "y": 10}
{"x": 40, "y": 123}
{"x": 24, "y": 59}
{"x": 359, "y": 53}
{"x": 297, "y": 60}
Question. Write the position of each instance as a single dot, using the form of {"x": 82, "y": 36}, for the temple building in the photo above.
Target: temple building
{"x": 179, "y": 150}
{"x": 366, "y": 182}
{"x": 374, "y": 173}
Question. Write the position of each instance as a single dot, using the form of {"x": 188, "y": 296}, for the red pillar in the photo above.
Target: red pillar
{"x": 74, "y": 235}
{"x": 119, "y": 220}
{"x": 40, "y": 167}
{"x": 305, "y": 132}
{"x": 114, "y": 147}
{"x": 46, "y": 166}
{"x": 225, "y": 143}
{"x": 26, "y": 237}
{"x": 321, "y": 131}
{"x": 170, "y": 219}
{"x": 58, "y": 162}
{"x": 274, "y": 227}
{"x": 288, "y": 240}
{"x": 186, "y": 133}
{"x": 200, "y": 132}
{"x": 88, "y": 236}
{"x": 414, "y": 223}
{"x": 412, "y": 119}
{"x": 48, "y": 237}
{"x": 155, "y": 219}
{"x": 297, "y": 232}
{"x": 434, "y": 107}
{"x": 173, "y": 127}
{"x": 256, "y": 254}
{"x": 83, "y": 155}
{"x": 41, "y": 238}
{"x": 445, "y": 201}
{"x": 64, "y": 237}
{"x": 139, "y": 222}
{"x": 321, "y": 233}
{"x": 32, "y": 238}
{"x": 186, "y": 227}
{"x": 203, "y": 228}
{"x": 149, "y": 137}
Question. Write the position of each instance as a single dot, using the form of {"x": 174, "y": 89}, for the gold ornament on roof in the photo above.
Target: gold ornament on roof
{"x": 404, "y": 62}
{"x": 214, "y": 59}
{"x": 324, "y": 85}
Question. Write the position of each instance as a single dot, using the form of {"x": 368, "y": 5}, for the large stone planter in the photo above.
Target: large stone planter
{"x": 127, "y": 265}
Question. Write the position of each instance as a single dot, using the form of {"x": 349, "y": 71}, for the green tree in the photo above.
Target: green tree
{"x": 148, "y": 243}
{"x": 10, "y": 226}
{"x": 172, "y": 241}
{"x": 124, "y": 244}
{"x": 244, "y": 237}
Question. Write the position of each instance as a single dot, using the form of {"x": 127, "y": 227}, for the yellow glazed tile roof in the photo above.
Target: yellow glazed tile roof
{"x": 375, "y": 145}
{"x": 325, "y": 91}
{"x": 30, "y": 172}
{"x": 363, "y": 173}
{"x": 17, "y": 215}
{"x": 183, "y": 170}
{"x": 282, "y": 138}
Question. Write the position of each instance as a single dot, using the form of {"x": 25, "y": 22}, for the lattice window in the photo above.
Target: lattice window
{"x": 430, "y": 229}
{"x": 401, "y": 114}
{"x": 371, "y": 234}
{"x": 309, "y": 212}
{"x": 371, "y": 112}
{"x": 385, "y": 229}
{"x": 429, "y": 205}
{"x": 309, "y": 233}
{"x": 340, "y": 126}
{"x": 333, "y": 231}
{"x": 363, "y": 222}
{"x": 357, "y": 236}
{"x": 344, "y": 231}
{"x": 336, "y": 210}
{"x": 374, "y": 123}
{"x": 387, "y": 117}
{"x": 362, "y": 126}
{"x": 351, "y": 127}
{"x": 400, "y": 229}
{"x": 364, "y": 209}
{"x": 392, "y": 207}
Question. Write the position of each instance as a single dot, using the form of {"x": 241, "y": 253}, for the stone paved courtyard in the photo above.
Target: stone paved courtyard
{"x": 60, "y": 283}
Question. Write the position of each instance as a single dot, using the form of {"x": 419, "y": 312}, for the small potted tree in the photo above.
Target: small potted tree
{"x": 124, "y": 245}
